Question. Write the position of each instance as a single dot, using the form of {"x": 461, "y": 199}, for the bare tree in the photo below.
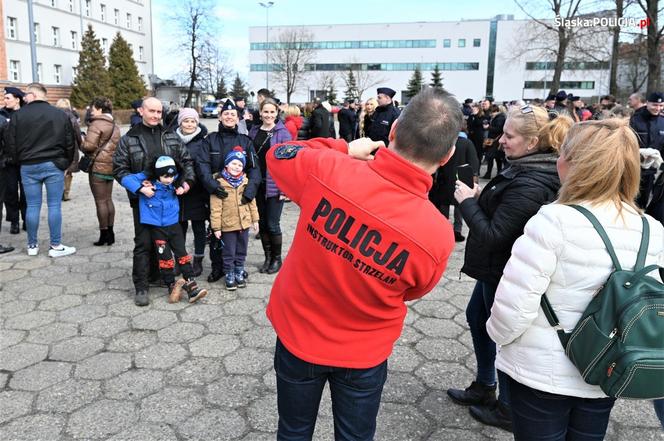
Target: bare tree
{"x": 213, "y": 68}
{"x": 633, "y": 65}
{"x": 293, "y": 49}
{"x": 364, "y": 78}
{"x": 653, "y": 9}
{"x": 615, "y": 49}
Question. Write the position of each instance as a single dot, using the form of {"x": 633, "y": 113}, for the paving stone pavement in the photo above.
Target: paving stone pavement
{"x": 78, "y": 361}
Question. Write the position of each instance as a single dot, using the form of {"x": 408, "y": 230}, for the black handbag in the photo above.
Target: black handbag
{"x": 85, "y": 163}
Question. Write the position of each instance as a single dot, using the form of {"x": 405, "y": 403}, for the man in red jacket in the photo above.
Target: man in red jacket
{"x": 362, "y": 247}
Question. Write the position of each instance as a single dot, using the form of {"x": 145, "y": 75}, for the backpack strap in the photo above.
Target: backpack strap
{"x": 643, "y": 248}
{"x": 600, "y": 230}
{"x": 552, "y": 318}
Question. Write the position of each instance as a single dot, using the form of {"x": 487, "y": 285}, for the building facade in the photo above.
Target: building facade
{"x": 477, "y": 58}
{"x": 58, "y": 28}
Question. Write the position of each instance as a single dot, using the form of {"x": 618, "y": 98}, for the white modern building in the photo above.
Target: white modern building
{"x": 58, "y": 28}
{"x": 476, "y": 58}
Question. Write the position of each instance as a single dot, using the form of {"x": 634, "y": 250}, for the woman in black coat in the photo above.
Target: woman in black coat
{"x": 494, "y": 151}
{"x": 476, "y": 130}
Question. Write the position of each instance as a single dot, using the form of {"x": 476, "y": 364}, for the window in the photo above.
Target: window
{"x": 56, "y": 36}
{"x": 74, "y": 72}
{"x": 128, "y": 21}
{"x": 74, "y": 40}
{"x": 103, "y": 12}
{"x": 40, "y": 72}
{"x": 140, "y": 53}
{"x": 54, "y": 3}
{"x": 57, "y": 73}
{"x": 351, "y": 44}
{"x": 36, "y": 30}
{"x": 116, "y": 16}
{"x": 15, "y": 70}
{"x": 87, "y": 8}
{"x": 104, "y": 44}
{"x": 568, "y": 65}
{"x": 477, "y": 42}
{"x": 447, "y": 42}
{"x": 131, "y": 48}
{"x": 11, "y": 28}
{"x": 140, "y": 24}
{"x": 585, "y": 85}
{"x": 461, "y": 42}
{"x": 71, "y": 5}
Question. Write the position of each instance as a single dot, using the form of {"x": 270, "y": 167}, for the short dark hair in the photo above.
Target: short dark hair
{"x": 264, "y": 92}
{"x": 429, "y": 126}
{"x": 102, "y": 103}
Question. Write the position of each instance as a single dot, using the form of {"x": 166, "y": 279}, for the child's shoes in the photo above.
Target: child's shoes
{"x": 195, "y": 293}
{"x": 240, "y": 280}
{"x": 230, "y": 281}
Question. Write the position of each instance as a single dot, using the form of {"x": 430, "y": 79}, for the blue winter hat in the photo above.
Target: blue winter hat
{"x": 165, "y": 165}
{"x": 236, "y": 153}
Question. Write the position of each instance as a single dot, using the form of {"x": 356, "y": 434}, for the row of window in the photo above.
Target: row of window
{"x": 362, "y": 44}
{"x": 568, "y": 65}
{"x": 372, "y": 66}
{"x": 15, "y": 72}
{"x": 585, "y": 85}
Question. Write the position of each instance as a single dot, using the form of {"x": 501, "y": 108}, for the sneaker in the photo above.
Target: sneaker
{"x": 61, "y": 250}
{"x": 33, "y": 250}
{"x": 194, "y": 292}
{"x": 230, "y": 282}
{"x": 239, "y": 278}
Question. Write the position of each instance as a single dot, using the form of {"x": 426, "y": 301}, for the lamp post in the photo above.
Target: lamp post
{"x": 267, "y": 6}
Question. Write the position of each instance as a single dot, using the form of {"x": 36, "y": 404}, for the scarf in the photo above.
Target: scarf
{"x": 235, "y": 181}
{"x": 539, "y": 160}
{"x": 187, "y": 138}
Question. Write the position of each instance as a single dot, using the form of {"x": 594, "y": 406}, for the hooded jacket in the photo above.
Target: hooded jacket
{"x": 162, "y": 209}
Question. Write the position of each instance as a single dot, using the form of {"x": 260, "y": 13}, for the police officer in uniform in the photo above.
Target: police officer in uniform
{"x": 384, "y": 116}
{"x": 648, "y": 123}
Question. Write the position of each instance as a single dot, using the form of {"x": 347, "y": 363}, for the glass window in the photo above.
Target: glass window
{"x": 104, "y": 44}
{"x": 477, "y": 42}
{"x": 36, "y": 29}
{"x": 128, "y": 21}
{"x": 57, "y": 74}
{"x": 40, "y": 72}
{"x": 461, "y": 42}
{"x": 11, "y": 28}
{"x": 140, "y": 53}
{"x": 71, "y": 5}
{"x": 140, "y": 24}
{"x": 87, "y": 8}
{"x": 54, "y": 3}
{"x": 15, "y": 70}
{"x": 131, "y": 48}
{"x": 74, "y": 72}
{"x": 74, "y": 40}
{"x": 116, "y": 16}
{"x": 102, "y": 8}
{"x": 56, "y": 36}
{"x": 447, "y": 42}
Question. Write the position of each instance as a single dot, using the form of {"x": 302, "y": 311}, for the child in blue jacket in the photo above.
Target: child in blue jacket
{"x": 159, "y": 208}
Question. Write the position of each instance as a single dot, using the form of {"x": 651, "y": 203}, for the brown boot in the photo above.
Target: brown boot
{"x": 195, "y": 293}
{"x": 175, "y": 290}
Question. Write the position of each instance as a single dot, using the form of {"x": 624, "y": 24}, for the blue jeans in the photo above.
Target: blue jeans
{"x": 659, "y": 410}
{"x": 542, "y": 416}
{"x": 34, "y": 176}
{"x": 355, "y": 397}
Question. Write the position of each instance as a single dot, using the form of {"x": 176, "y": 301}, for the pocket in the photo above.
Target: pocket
{"x": 547, "y": 395}
{"x": 367, "y": 379}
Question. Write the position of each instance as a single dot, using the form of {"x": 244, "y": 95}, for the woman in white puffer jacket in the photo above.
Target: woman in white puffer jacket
{"x": 562, "y": 255}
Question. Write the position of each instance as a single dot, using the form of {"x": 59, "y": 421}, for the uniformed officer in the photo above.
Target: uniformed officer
{"x": 384, "y": 116}
{"x": 648, "y": 123}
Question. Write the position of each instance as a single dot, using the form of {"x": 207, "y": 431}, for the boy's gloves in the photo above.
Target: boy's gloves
{"x": 220, "y": 193}
{"x": 245, "y": 200}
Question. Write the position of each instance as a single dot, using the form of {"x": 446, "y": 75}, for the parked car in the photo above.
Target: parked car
{"x": 210, "y": 110}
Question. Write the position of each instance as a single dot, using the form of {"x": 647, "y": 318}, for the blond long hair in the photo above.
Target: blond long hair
{"x": 604, "y": 164}
{"x": 535, "y": 122}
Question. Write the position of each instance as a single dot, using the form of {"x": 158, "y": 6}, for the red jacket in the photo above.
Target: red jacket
{"x": 293, "y": 124}
{"x": 367, "y": 240}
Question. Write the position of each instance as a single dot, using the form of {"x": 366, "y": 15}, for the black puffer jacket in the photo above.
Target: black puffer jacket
{"x": 497, "y": 218}
{"x": 382, "y": 121}
{"x": 319, "y": 123}
{"x": 649, "y": 128}
{"x": 194, "y": 204}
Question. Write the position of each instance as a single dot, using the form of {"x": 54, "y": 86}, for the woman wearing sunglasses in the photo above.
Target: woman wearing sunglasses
{"x": 496, "y": 217}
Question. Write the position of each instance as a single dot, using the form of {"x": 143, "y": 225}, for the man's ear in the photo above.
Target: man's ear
{"x": 447, "y": 157}
{"x": 390, "y": 136}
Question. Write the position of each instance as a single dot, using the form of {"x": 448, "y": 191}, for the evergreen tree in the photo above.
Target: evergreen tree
{"x": 436, "y": 78}
{"x": 127, "y": 83}
{"x": 221, "y": 91}
{"x": 238, "y": 89}
{"x": 330, "y": 92}
{"x": 415, "y": 83}
{"x": 91, "y": 75}
{"x": 351, "y": 86}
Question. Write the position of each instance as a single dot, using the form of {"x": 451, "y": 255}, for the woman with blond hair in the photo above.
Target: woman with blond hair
{"x": 367, "y": 116}
{"x": 293, "y": 120}
{"x": 562, "y": 255}
{"x": 65, "y": 106}
{"x": 495, "y": 218}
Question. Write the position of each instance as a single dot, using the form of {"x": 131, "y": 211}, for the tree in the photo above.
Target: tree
{"x": 655, "y": 39}
{"x": 331, "y": 92}
{"x": 615, "y": 49}
{"x": 415, "y": 83}
{"x": 633, "y": 65}
{"x": 213, "y": 70}
{"x": 127, "y": 83}
{"x": 293, "y": 51}
{"x": 239, "y": 89}
{"x": 364, "y": 79}
{"x": 221, "y": 91}
{"x": 436, "y": 78}
{"x": 91, "y": 75}
{"x": 351, "y": 86}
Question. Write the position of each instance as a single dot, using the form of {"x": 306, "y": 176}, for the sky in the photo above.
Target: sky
{"x": 236, "y": 17}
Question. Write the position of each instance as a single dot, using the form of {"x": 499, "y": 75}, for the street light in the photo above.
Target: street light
{"x": 267, "y": 6}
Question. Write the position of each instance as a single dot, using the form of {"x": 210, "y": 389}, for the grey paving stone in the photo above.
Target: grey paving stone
{"x": 132, "y": 341}
{"x": 214, "y": 424}
{"x": 13, "y": 404}
{"x": 446, "y": 434}
{"x": 101, "y": 419}
{"x": 640, "y": 434}
{"x": 442, "y": 349}
{"x": 171, "y": 406}
{"x": 233, "y": 391}
{"x": 52, "y": 333}
{"x": 402, "y": 388}
{"x": 153, "y": 320}
{"x": 434, "y": 327}
{"x": 261, "y": 337}
{"x": 244, "y": 306}
{"x": 214, "y": 345}
{"x": 68, "y": 396}
{"x": 85, "y": 287}
{"x": 444, "y": 375}
{"x": 30, "y": 264}
{"x": 194, "y": 372}
{"x": 12, "y": 274}
{"x": 76, "y": 348}
{"x": 31, "y": 320}
{"x": 260, "y": 319}
{"x": 160, "y": 356}
{"x": 108, "y": 257}
{"x": 270, "y": 380}
{"x": 65, "y": 280}
{"x": 104, "y": 365}
{"x": 88, "y": 267}
{"x": 105, "y": 327}
{"x": 123, "y": 284}
{"x": 10, "y": 338}
{"x": 106, "y": 297}
{"x": 106, "y": 275}
{"x": 38, "y": 292}
{"x": 435, "y": 309}
{"x": 60, "y": 303}
{"x": 39, "y": 427}
{"x": 634, "y": 414}
{"x": 401, "y": 421}
{"x": 22, "y": 355}
{"x": 40, "y": 376}
{"x": 201, "y": 313}
{"x": 248, "y": 361}
{"x": 146, "y": 432}
{"x": 3, "y": 380}
{"x": 404, "y": 359}
{"x": 126, "y": 308}
{"x": 259, "y": 436}
{"x": 180, "y": 332}
{"x": 438, "y": 407}
{"x": 134, "y": 384}
{"x": 261, "y": 414}
{"x": 17, "y": 307}
{"x": 409, "y": 336}
{"x": 82, "y": 313}
{"x": 234, "y": 324}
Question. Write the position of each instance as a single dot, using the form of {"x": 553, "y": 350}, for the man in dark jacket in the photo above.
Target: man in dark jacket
{"x": 137, "y": 151}
{"x": 14, "y": 194}
{"x": 320, "y": 121}
{"x": 40, "y": 139}
{"x": 347, "y": 120}
{"x": 384, "y": 116}
{"x": 210, "y": 160}
{"x": 648, "y": 123}
{"x": 3, "y": 124}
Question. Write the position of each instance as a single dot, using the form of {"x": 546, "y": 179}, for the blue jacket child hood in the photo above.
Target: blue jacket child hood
{"x": 162, "y": 209}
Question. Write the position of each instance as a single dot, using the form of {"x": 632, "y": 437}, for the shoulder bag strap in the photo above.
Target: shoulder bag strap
{"x": 643, "y": 248}
{"x": 600, "y": 230}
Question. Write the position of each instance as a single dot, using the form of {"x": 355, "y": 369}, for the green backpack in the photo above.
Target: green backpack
{"x": 618, "y": 343}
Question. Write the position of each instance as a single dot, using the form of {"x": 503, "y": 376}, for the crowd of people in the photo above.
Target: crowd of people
{"x": 371, "y": 200}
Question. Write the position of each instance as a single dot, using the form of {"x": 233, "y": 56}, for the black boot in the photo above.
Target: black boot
{"x": 103, "y": 238}
{"x": 267, "y": 246}
{"x": 497, "y": 415}
{"x": 197, "y": 265}
{"x": 475, "y": 394}
{"x": 110, "y": 239}
{"x": 215, "y": 275}
{"x": 194, "y": 292}
{"x": 275, "y": 254}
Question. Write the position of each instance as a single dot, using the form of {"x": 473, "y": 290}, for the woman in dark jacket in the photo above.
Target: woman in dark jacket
{"x": 476, "y": 129}
{"x": 496, "y": 218}
{"x": 494, "y": 151}
{"x": 195, "y": 204}
{"x": 269, "y": 199}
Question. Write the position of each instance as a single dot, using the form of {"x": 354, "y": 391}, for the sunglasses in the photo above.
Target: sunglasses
{"x": 528, "y": 109}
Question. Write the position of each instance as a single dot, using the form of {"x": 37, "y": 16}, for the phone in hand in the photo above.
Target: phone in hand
{"x": 465, "y": 174}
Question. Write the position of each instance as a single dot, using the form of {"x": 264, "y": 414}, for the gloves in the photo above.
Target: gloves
{"x": 245, "y": 200}
{"x": 220, "y": 193}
